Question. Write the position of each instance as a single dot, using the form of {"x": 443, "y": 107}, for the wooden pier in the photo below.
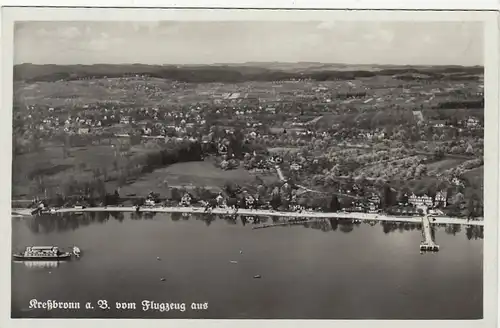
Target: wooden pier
{"x": 428, "y": 243}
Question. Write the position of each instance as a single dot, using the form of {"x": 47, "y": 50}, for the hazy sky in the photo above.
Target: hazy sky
{"x": 412, "y": 43}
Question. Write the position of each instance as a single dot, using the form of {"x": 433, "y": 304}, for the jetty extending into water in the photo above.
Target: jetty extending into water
{"x": 258, "y": 212}
{"x": 288, "y": 223}
{"x": 428, "y": 244}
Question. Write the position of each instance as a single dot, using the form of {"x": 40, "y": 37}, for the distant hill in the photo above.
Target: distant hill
{"x": 240, "y": 72}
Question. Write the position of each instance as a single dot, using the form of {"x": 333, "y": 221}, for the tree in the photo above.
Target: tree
{"x": 231, "y": 189}
{"x": 275, "y": 201}
{"x": 471, "y": 209}
{"x": 140, "y": 201}
{"x": 261, "y": 190}
{"x": 388, "y": 197}
{"x": 379, "y": 182}
{"x": 122, "y": 180}
{"x": 116, "y": 196}
{"x": 100, "y": 188}
{"x": 175, "y": 195}
{"x": 320, "y": 203}
{"x": 334, "y": 204}
{"x": 438, "y": 153}
{"x": 420, "y": 170}
{"x": 329, "y": 181}
{"x": 41, "y": 185}
{"x": 58, "y": 201}
{"x": 458, "y": 199}
{"x": 65, "y": 150}
{"x": 285, "y": 190}
{"x": 360, "y": 179}
{"x": 303, "y": 201}
{"x": 469, "y": 150}
{"x": 242, "y": 202}
{"x": 317, "y": 179}
{"x": 232, "y": 201}
{"x": 403, "y": 197}
{"x": 236, "y": 143}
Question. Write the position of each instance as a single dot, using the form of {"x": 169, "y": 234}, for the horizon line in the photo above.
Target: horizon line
{"x": 250, "y": 62}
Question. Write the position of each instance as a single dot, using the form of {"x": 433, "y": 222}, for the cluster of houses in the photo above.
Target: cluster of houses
{"x": 244, "y": 111}
{"x": 471, "y": 123}
{"x": 92, "y": 118}
{"x": 178, "y": 123}
{"x": 440, "y": 199}
{"x": 468, "y": 123}
{"x": 409, "y": 204}
{"x": 78, "y": 125}
{"x": 371, "y": 204}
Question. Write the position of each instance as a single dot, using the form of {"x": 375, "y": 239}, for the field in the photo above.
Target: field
{"x": 63, "y": 93}
{"x": 188, "y": 175}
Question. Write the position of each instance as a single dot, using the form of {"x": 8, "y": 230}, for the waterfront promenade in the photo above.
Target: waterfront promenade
{"x": 258, "y": 212}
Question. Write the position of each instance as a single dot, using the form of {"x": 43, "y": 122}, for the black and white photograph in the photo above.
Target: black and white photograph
{"x": 249, "y": 169}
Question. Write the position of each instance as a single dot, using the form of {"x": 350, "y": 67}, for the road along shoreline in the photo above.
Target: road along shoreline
{"x": 251, "y": 212}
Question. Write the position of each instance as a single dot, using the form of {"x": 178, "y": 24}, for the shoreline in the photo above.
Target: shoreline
{"x": 250, "y": 212}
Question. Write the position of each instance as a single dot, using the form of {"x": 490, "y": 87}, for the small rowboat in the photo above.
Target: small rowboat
{"x": 76, "y": 251}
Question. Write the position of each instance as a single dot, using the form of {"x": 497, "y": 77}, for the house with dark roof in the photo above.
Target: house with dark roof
{"x": 441, "y": 198}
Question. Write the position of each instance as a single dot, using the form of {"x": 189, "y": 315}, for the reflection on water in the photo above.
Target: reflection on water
{"x": 39, "y": 264}
{"x": 64, "y": 222}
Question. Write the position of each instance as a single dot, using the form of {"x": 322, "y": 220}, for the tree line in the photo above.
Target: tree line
{"x": 52, "y": 73}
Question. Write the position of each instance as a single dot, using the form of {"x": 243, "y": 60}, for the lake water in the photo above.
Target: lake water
{"x": 324, "y": 271}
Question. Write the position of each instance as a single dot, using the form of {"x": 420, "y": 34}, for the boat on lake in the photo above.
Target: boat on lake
{"x": 76, "y": 251}
{"x": 42, "y": 253}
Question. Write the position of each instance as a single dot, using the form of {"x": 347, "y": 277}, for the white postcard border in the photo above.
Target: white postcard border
{"x": 491, "y": 188}
{"x": 276, "y": 4}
